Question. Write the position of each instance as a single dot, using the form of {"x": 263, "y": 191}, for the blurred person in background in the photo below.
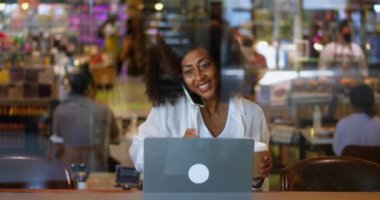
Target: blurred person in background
{"x": 361, "y": 127}
{"x": 110, "y": 31}
{"x": 92, "y": 89}
{"x": 345, "y": 57}
{"x": 256, "y": 63}
{"x": 131, "y": 52}
{"x": 315, "y": 38}
{"x": 83, "y": 127}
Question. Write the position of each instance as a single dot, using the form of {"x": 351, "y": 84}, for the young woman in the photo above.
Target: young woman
{"x": 176, "y": 115}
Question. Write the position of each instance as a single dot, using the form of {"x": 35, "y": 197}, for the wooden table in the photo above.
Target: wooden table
{"x": 17, "y": 194}
{"x": 102, "y": 181}
{"x": 314, "y": 138}
{"x": 309, "y": 137}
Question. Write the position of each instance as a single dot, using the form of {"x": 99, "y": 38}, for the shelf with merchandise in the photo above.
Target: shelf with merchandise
{"x": 26, "y": 83}
{"x": 27, "y": 96}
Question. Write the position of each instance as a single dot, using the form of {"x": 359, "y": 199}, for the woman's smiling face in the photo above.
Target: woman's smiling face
{"x": 200, "y": 73}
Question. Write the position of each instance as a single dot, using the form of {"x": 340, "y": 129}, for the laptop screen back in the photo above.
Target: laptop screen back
{"x": 177, "y": 165}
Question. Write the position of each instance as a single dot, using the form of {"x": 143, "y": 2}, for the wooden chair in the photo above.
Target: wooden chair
{"x": 34, "y": 172}
{"x": 371, "y": 153}
{"x": 331, "y": 173}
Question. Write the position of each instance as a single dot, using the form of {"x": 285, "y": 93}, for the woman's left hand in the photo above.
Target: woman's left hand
{"x": 266, "y": 165}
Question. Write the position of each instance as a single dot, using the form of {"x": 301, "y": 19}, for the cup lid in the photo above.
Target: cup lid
{"x": 260, "y": 146}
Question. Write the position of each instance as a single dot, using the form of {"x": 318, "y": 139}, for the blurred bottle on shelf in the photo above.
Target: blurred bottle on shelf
{"x": 317, "y": 119}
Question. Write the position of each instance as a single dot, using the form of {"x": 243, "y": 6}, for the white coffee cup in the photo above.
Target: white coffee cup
{"x": 261, "y": 149}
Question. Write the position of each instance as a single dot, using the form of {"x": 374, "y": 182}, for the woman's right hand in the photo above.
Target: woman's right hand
{"x": 191, "y": 133}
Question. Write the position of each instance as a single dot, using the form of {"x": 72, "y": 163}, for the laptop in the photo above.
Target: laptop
{"x": 200, "y": 168}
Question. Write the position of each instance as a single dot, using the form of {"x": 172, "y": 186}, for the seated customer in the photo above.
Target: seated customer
{"x": 361, "y": 127}
{"x": 84, "y": 126}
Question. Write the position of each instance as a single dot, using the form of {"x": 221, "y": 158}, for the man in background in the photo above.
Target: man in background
{"x": 361, "y": 127}
{"x": 84, "y": 127}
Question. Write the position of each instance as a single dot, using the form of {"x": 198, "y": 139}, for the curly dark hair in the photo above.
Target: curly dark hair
{"x": 163, "y": 75}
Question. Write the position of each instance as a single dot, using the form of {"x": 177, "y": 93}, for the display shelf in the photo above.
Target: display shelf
{"x": 26, "y": 102}
{"x": 23, "y": 125}
{"x": 26, "y": 83}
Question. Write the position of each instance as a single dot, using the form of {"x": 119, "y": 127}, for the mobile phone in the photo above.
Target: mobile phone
{"x": 194, "y": 98}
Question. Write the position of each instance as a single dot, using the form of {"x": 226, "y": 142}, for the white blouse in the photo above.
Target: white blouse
{"x": 245, "y": 120}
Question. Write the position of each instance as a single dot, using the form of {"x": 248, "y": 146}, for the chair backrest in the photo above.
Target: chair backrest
{"x": 371, "y": 153}
{"x": 34, "y": 172}
{"x": 331, "y": 173}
